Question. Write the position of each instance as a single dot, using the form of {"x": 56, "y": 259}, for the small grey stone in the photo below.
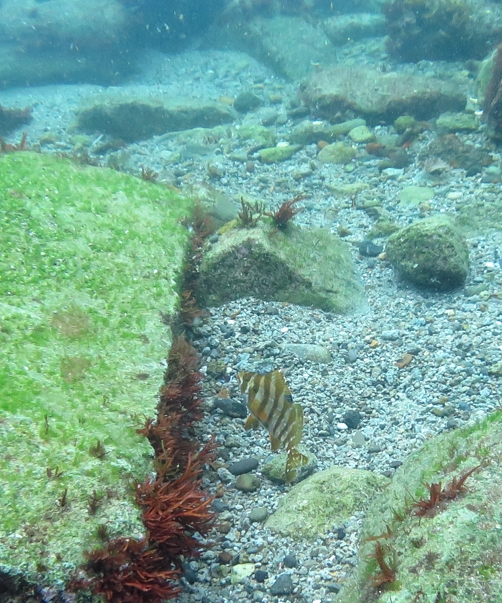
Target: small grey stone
{"x": 268, "y": 117}
{"x": 352, "y": 418}
{"x": 260, "y": 576}
{"x": 258, "y": 514}
{"x": 247, "y": 482}
{"x": 282, "y": 586}
{"x": 243, "y": 466}
{"x": 333, "y": 587}
{"x": 231, "y": 408}
{"x": 369, "y": 249}
{"x": 270, "y": 309}
{"x": 246, "y": 101}
{"x": 358, "y": 439}
{"x": 290, "y": 561}
{"x": 391, "y": 334}
{"x": 225, "y": 475}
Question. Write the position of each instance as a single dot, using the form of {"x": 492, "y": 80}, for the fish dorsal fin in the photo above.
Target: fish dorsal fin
{"x": 251, "y": 423}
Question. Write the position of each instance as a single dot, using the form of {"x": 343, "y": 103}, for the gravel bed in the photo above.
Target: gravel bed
{"x": 454, "y": 337}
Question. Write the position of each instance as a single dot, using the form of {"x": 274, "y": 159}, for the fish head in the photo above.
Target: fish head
{"x": 245, "y": 379}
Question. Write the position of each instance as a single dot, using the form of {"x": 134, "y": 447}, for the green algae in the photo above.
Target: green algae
{"x": 453, "y": 555}
{"x": 89, "y": 259}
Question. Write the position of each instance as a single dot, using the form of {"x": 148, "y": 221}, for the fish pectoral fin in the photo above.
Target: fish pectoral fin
{"x": 274, "y": 443}
{"x": 251, "y": 423}
{"x": 294, "y": 462}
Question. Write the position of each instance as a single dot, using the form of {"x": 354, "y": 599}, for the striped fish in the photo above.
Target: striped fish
{"x": 271, "y": 405}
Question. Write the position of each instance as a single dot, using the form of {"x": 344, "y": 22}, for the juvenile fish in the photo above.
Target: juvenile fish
{"x": 271, "y": 405}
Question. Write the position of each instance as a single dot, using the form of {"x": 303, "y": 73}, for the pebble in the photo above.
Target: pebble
{"x": 283, "y": 585}
{"x": 290, "y": 561}
{"x": 258, "y": 514}
{"x": 247, "y": 482}
{"x": 243, "y": 466}
{"x": 352, "y": 419}
{"x": 260, "y": 576}
{"x": 369, "y": 249}
{"x": 310, "y": 352}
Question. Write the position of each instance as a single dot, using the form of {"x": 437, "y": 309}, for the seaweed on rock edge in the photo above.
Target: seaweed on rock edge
{"x": 175, "y": 509}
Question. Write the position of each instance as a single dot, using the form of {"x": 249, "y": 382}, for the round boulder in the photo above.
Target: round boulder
{"x": 430, "y": 253}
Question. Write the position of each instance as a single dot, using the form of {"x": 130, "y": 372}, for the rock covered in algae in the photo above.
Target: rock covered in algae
{"x": 305, "y": 266}
{"x": 452, "y": 554}
{"x": 326, "y": 499}
{"x": 430, "y": 253}
{"x": 89, "y": 258}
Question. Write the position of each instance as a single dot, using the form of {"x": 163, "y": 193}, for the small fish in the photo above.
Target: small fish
{"x": 271, "y": 405}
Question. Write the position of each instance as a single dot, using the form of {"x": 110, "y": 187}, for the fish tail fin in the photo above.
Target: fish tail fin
{"x": 295, "y": 460}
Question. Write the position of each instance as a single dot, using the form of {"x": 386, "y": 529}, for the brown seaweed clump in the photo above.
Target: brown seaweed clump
{"x": 175, "y": 508}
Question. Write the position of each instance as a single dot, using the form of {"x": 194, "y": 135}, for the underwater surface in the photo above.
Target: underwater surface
{"x": 305, "y": 193}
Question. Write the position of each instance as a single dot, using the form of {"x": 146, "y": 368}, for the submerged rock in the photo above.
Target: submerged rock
{"x": 131, "y": 116}
{"x": 324, "y": 499}
{"x": 343, "y": 90}
{"x": 430, "y": 253}
{"x": 62, "y": 41}
{"x": 346, "y": 28}
{"x": 305, "y": 266}
{"x": 454, "y": 550}
{"x": 89, "y": 256}
{"x": 290, "y": 45}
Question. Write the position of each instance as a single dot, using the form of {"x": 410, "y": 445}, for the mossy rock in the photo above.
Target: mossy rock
{"x": 304, "y": 266}
{"x": 430, "y": 253}
{"x": 454, "y": 554}
{"x": 324, "y": 500}
{"x": 89, "y": 259}
{"x": 278, "y": 153}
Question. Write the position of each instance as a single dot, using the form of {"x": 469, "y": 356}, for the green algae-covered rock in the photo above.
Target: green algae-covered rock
{"x": 278, "y": 153}
{"x": 453, "y": 554}
{"x": 275, "y": 467}
{"x": 337, "y": 152}
{"x": 430, "y": 253}
{"x": 89, "y": 259}
{"x": 457, "y": 122}
{"x": 361, "y": 134}
{"x": 308, "y": 131}
{"x": 304, "y": 266}
{"x": 324, "y": 500}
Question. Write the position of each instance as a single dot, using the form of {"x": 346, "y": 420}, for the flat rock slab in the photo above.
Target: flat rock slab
{"x": 132, "y": 115}
{"x": 308, "y": 266}
{"x": 89, "y": 259}
{"x": 342, "y": 90}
